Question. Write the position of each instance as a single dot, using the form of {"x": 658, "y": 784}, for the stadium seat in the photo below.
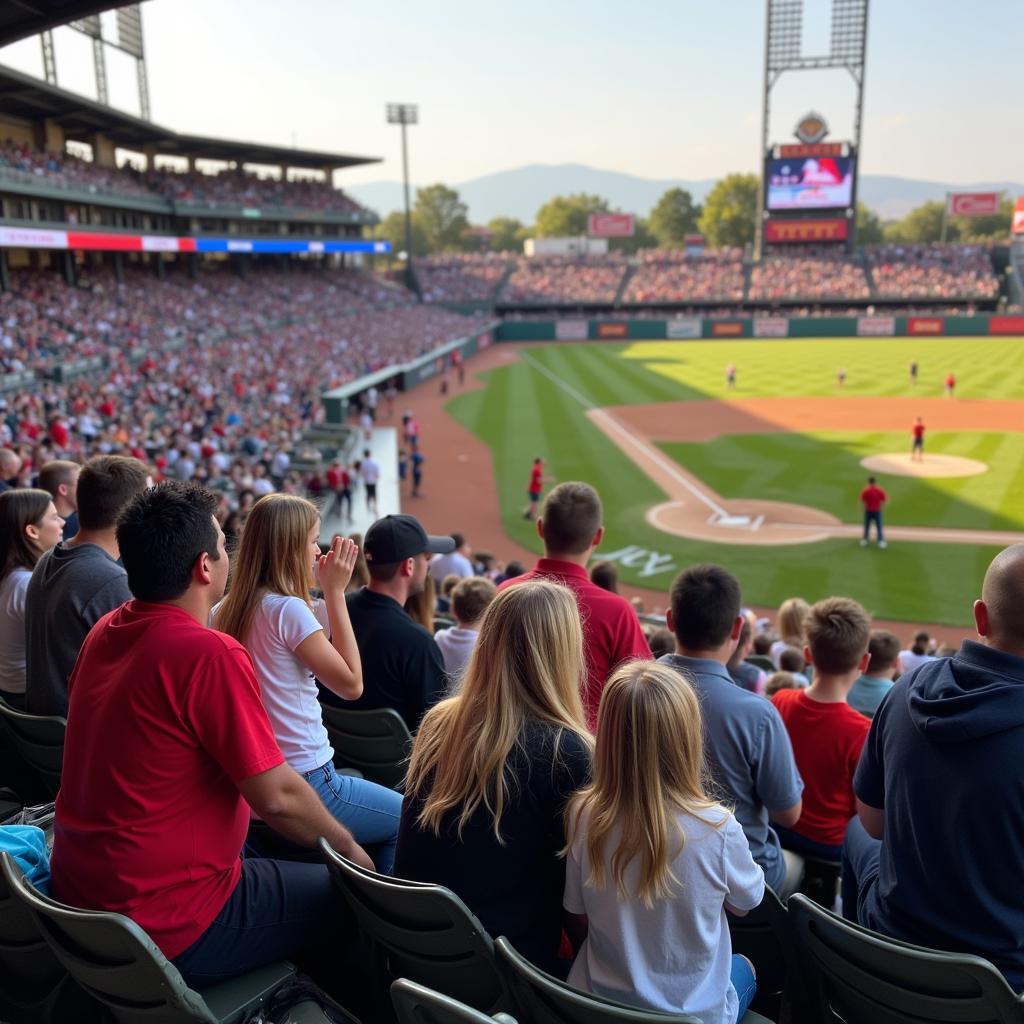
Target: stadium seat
{"x": 39, "y": 739}
{"x": 421, "y": 932}
{"x": 34, "y": 986}
{"x": 761, "y": 661}
{"x": 416, "y": 1004}
{"x": 118, "y": 964}
{"x": 860, "y": 977}
{"x": 375, "y": 743}
{"x": 541, "y": 999}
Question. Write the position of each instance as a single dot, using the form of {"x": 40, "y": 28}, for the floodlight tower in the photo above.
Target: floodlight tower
{"x": 783, "y": 51}
{"x": 405, "y": 114}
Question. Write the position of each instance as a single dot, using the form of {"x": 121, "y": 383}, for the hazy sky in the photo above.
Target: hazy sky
{"x": 658, "y": 88}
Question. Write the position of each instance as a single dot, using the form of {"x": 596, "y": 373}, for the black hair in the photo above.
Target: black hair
{"x": 705, "y": 603}
{"x": 161, "y": 533}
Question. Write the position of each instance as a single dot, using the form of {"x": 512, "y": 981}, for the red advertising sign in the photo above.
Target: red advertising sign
{"x": 615, "y": 330}
{"x": 610, "y": 225}
{"x": 1006, "y": 325}
{"x": 1018, "y": 217}
{"x": 972, "y": 204}
{"x": 728, "y": 329}
{"x": 793, "y": 150}
{"x": 834, "y": 229}
{"x": 926, "y": 325}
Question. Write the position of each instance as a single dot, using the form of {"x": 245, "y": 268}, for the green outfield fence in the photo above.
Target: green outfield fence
{"x": 695, "y": 327}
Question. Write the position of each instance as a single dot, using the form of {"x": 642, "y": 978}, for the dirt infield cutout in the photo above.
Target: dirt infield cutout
{"x": 935, "y": 466}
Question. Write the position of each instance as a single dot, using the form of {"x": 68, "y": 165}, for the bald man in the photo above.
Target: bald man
{"x": 10, "y": 467}
{"x": 935, "y": 855}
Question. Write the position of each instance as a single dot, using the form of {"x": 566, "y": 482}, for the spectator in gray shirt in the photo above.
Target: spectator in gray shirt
{"x": 746, "y": 744}
{"x": 76, "y": 583}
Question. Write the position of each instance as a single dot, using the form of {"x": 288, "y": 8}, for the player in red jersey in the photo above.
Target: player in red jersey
{"x": 537, "y": 481}
{"x": 873, "y": 498}
{"x": 917, "y": 449}
{"x": 950, "y": 385}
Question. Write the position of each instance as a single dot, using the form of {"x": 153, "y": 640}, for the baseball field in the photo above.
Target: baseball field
{"x": 764, "y": 477}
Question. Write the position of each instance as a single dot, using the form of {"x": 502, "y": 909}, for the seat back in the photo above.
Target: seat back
{"x": 421, "y": 932}
{"x": 376, "y": 743}
{"x": 762, "y": 936}
{"x": 416, "y": 1004}
{"x": 541, "y": 999}
{"x": 761, "y": 661}
{"x": 861, "y": 977}
{"x": 34, "y": 986}
{"x": 39, "y": 740}
{"x": 114, "y": 960}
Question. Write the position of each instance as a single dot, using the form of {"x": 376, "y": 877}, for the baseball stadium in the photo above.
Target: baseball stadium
{"x": 413, "y": 616}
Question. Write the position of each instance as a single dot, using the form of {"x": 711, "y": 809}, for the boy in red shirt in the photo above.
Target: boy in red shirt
{"x": 826, "y": 733}
{"x": 873, "y": 498}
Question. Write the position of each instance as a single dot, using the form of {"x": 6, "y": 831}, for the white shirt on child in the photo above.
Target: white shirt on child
{"x": 456, "y": 646}
{"x": 677, "y": 955}
{"x": 287, "y": 687}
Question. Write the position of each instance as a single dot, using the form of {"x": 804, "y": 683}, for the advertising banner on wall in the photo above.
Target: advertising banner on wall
{"x": 771, "y": 327}
{"x": 1006, "y": 325}
{"x": 610, "y": 225}
{"x": 683, "y": 327}
{"x": 972, "y": 204}
{"x": 727, "y": 329}
{"x": 571, "y": 330}
{"x": 876, "y": 326}
{"x": 1018, "y": 217}
{"x": 926, "y": 325}
{"x": 832, "y": 229}
{"x": 613, "y": 330}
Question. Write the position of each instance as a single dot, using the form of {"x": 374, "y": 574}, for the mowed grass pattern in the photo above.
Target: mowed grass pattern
{"x": 522, "y": 412}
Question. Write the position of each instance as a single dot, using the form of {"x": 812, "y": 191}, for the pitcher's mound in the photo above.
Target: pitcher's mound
{"x": 900, "y": 464}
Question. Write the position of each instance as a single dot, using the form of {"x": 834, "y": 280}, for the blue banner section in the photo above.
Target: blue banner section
{"x": 257, "y": 245}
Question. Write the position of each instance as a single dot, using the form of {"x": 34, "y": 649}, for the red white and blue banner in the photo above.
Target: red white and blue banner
{"x": 36, "y": 238}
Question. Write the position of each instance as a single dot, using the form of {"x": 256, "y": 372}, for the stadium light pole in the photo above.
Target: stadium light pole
{"x": 405, "y": 114}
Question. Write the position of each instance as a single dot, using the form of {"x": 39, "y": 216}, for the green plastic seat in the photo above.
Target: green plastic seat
{"x": 421, "y": 932}
{"x": 860, "y": 977}
{"x": 416, "y": 1004}
{"x": 541, "y": 999}
{"x": 119, "y": 966}
{"x": 39, "y": 741}
{"x": 375, "y": 743}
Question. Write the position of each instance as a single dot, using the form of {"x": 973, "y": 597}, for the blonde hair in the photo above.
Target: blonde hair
{"x": 648, "y": 766}
{"x": 793, "y": 614}
{"x": 527, "y": 665}
{"x": 272, "y": 558}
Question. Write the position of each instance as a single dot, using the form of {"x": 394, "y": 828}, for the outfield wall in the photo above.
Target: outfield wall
{"x": 682, "y": 328}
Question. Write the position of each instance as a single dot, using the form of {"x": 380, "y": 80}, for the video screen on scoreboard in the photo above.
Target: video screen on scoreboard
{"x": 810, "y": 183}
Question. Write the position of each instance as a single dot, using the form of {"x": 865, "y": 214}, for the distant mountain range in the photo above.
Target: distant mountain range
{"x": 520, "y": 192}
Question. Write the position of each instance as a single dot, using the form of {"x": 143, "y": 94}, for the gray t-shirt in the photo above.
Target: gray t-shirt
{"x": 70, "y": 590}
{"x": 749, "y": 756}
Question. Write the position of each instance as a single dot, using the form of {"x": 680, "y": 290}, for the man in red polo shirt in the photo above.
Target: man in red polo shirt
{"x": 167, "y": 749}
{"x": 873, "y": 498}
{"x": 570, "y": 527}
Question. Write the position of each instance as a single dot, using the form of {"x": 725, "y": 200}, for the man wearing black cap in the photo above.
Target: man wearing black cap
{"x": 402, "y": 666}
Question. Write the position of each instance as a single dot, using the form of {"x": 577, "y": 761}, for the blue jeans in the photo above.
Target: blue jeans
{"x": 742, "y": 977}
{"x": 861, "y": 855}
{"x": 807, "y": 847}
{"x": 278, "y": 910}
{"x": 876, "y": 518}
{"x": 370, "y": 812}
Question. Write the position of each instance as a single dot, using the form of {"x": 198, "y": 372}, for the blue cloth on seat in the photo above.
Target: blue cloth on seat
{"x": 27, "y": 845}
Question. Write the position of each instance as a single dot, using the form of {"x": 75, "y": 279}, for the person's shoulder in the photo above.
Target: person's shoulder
{"x": 782, "y": 698}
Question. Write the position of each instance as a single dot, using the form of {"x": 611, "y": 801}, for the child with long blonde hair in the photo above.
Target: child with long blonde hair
{"x": 654, "y": 862}
{"x": 292, "y": 639}
{"x": 493, "y": 767}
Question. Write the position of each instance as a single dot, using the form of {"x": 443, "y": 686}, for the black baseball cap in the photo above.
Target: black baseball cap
{"x": 395, "y": 538}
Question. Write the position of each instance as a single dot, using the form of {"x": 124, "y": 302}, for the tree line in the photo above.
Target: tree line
{"x": 440, "y": 221}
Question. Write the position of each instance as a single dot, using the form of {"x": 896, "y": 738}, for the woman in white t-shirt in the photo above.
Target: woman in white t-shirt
{"x": 653, "y": 863}
{"x": 293, "y": 638}
{"x": 29, "y": 527}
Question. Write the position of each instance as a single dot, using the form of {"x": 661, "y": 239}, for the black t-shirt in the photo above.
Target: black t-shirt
{"x": 402, "y": 666}
{"x": 514, "y": 889}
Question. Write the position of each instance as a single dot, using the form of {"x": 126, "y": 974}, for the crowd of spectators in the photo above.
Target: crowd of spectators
{"x": 462, "y": 277}
{"x": 213, "y": 380}
{"x": 933, "y": 271}
{"x": 565, "y": 279}
{"x": 669, "y": 276}
{"x": 808, "y": 277}
{"x": 232, "y": 187}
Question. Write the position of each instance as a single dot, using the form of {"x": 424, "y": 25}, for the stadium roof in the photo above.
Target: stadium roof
{"x": 29, "y": 98}
{"x": 21, "y": 18}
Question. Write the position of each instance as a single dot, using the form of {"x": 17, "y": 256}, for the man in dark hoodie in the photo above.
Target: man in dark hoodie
{"x": 934, "y": 855}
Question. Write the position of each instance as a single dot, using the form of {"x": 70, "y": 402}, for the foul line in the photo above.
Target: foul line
{"x": 648, "y": 450}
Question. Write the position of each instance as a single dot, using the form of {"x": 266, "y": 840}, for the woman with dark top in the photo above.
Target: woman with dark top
{"x": 493, "y": 767}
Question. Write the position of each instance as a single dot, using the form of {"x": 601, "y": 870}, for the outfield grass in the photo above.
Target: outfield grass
{"x": 535, "y": 407}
